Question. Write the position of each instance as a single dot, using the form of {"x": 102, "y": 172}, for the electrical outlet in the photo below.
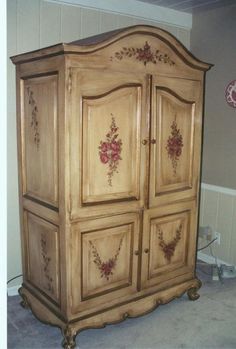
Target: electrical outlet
{"x": 228, "y": 271}
{"x": 205, "y": 233}
{"x": 217, "y": 237}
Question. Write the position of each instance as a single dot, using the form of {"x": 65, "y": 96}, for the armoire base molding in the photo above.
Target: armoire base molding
{"x": 117, "y": 314}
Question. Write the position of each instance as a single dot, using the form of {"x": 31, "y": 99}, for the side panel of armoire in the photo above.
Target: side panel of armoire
{"x": 41, "y": 149}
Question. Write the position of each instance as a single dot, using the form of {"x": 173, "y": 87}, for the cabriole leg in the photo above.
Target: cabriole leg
{"x": 69, "y": 335}
{"x": 193, "y": 291}
{"x": 23, "y": 302}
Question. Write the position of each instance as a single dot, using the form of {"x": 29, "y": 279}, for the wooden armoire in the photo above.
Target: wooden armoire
{"x": 109, "y": 150}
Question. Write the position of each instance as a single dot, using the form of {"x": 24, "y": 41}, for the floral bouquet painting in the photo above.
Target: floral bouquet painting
{"x": 174, "y": 145}
{"x": 110, "y": 150}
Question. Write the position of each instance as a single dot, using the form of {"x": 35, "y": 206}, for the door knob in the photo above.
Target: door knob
{"x": 146, "y": 250}
{"x": 136, "y": 252}
{"x": 144, "y": 141}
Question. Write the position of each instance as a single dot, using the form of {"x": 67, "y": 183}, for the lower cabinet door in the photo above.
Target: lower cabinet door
{"x": 169, "y": 243}
{"x": 104, "y": 261}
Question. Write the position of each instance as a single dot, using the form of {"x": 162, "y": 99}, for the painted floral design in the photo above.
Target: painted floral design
{"x": 110, "y": 150}
{"x": 174, "y": 145}
{"x": 34, "y": 117}
{"x": 46, "y": 262}
{"x": 169, "y": 248}
{"x": 106, "y": 268}
{"x": 144, "y": 54}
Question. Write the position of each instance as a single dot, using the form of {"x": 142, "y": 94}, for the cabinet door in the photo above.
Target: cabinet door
{"x": 176, "y": 140}
{"x": 169, "y": 242}
{"x": 104, "y": 262}
{"x": 106, "y": 131}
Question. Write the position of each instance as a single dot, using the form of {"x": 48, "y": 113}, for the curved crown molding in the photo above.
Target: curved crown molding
{"x": 98, "y": 42}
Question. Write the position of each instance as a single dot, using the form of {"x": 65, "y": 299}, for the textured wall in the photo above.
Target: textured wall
{"x": 33, "y": 24}
{"x": 213, "y": 40}
{"x": 218, "y": 210}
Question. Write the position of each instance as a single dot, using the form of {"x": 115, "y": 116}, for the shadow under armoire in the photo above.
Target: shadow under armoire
{"x": 109, "y": 150}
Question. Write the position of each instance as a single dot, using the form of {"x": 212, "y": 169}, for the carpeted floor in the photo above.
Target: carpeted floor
{"x": 208, "y": 323}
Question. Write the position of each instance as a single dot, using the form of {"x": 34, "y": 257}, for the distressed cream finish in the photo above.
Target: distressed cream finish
{"x": 109, "y": 143}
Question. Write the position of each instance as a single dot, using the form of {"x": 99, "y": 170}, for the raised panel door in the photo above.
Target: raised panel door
{"x": 111, "y": 145}
{"x": 175, "y": 140}
{"x": 104, "y": 260}
{"x": 107, "y": 156}
{"x": 169, "y": 242}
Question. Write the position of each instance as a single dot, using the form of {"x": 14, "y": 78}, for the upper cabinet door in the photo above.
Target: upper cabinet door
{"x": 107, "y": 155}
{"x": 175, "y": 140}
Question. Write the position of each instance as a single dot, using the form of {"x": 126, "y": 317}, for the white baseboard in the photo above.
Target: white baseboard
{"x": 13, "y": 291}
{"x": 209, "y": 259}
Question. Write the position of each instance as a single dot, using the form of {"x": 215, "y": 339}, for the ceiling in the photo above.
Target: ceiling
{"x": 191, "y": 6}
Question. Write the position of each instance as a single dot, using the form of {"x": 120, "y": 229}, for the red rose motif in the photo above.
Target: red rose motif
{"x": 104, "y": 146}
{"x": 174, "y": 145}
{"x": 115, "y": 156}
{"x": 115, "y": 146}
{"x": 109, "y": 151}
{"x": 169, "y": 248}
{"x": 106, "y": 267}
{"x": 144, "y": 54}
{"x": 104, "y": 158}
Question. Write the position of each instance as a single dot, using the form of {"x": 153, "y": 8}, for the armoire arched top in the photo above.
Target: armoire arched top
{"x": 121, "y": 37}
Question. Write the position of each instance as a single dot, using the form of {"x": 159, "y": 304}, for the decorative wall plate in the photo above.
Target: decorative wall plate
{"x": 230, "y": 94}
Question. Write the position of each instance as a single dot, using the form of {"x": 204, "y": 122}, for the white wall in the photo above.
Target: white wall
{"x": 33, "y": 24}
{"x": 213, "y": 40}
{"x": 218, "y": 210}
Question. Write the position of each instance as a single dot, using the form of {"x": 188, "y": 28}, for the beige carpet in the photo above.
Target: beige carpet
{"x": 207, "y": 323}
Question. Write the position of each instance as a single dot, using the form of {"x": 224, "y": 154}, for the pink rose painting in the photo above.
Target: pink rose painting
{"x": 110, "y": 150}
{"x": 144, "y": 54}
{"x": 174, "y": 145}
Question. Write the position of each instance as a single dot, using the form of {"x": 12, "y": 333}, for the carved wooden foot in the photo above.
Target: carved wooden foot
{"x": 24, "y": 302}
{"x": 192, "y": 292}
{"x": 69, "y": 335}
